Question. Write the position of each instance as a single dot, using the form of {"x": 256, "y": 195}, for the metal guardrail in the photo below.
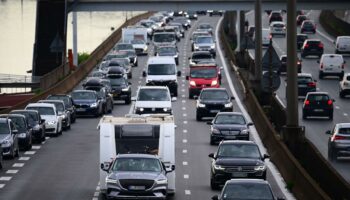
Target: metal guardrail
{"x": 10, "y": 83}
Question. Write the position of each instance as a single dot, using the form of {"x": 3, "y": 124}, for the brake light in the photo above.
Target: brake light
{"x": 192, "y": 83}
{"x": 342, "y": 66}
{"x": 320, "y": 45}
{"x": 322, "y": 66}
{"x": 338, "y": 137}
{"x": 329, "y": 102}
{"x": 298, "y": 62}
{"x": 307, "y": 102}
{"x": 306, "y": 46}
{"x": 312, "y": 84}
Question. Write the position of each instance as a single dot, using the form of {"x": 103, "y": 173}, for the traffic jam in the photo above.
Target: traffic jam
{"x": 137, "y": 150}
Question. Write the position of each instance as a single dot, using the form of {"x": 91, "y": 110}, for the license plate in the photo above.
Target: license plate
{"x": 215, "y": 111}
{"x": 80, "y": 109}
{"x": 318, "y": 110}
{"x": 134, "y": 187}
{"x": 329, "y": 69}
{"x": 239, "y": 174}
{"x": 278, "y": 29}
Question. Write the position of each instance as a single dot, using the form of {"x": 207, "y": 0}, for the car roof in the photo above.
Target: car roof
{"x": 32, "y": 111}
{"x": 3, "y": 120}
{"x": 153, "y": 87}
{"x": 315, "y": 93}
{"x": 229, "y": 113}
{"x": 161, "y": 60}
{"x": 208, "y": 89}
{"x": 343, "y": 125}
{"x": 246, "y": 180}
{"x": 313, "y": 40}
{"x": 50, "y": 101}
{"x": 49, "y": 105}
{"x": 84, "y": 91}
{"x": 237, "y": 142}
{"x": 12, "y": 115}
{"x": 131, "y": 155}
{"x": 201, "y": 52}
{"x": 304, "y": 75}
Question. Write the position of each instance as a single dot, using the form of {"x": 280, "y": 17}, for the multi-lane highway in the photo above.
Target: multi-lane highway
{"x": 67, "y": 167}
{"x": 316, "y": 127}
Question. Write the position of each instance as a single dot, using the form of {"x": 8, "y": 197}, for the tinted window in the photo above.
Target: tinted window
{"x": 344, "y": 131}
{"x": 203, "y": 73}
{"x": 204, "y": 40}
{"x": 214, "y": 94}
{"x": 161, "y": 69}
{"x": 137, "y": 164}
{"x": 204, "y": 26}
{"x": 4, "y": 128}
{"x": 348, "y": 78}
{"x": 31, "y": 117}
{"x": 117, "y": 81}
{"x": 166, "y": 51}
{"x": 153, "y": 95}
{"x": 19, "y": 123}
{"x": 164, "y": 37}
{"x": 238, "y": 151}
{"x": 318, "y": 97}
{"x": 43, "y": 110}
{"x": 201, "y": 56}
{"x": 83, "y": 95}
{"x": 124, "y": 46}
{"x": 230, "y": 119}
{"x": 249, "y": 191}
{"x": 62, "y": 98}
{"x": 304, "y": 79}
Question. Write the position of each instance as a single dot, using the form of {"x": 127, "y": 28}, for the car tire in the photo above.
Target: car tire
{"x": 213, "y": 185}
{"x": 303, "y": 55}
{"x": 128, "y": 100}
{"x": 212, "y": 142}
{"x": 332, "y": 155}
{"x": 43, "y": 138}
{"x": 17, "y": 152}
{"x": 29, "y": 145}
{"x": 320, "y": 75}
{"x": 198, "y": 117}
{"x": 330, "y": 116}
{"x": 137, "y": 63}
{"x": 60, "y": 133}
{"x": 341, "y": 94}
{"x": 175, "y": 93}
{"x": 304, "y": 116}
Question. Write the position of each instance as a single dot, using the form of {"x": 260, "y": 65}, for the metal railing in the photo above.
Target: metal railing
{"x": 11, "y": 83}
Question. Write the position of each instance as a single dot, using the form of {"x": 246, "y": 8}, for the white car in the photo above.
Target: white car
{"x": 140, "y": 46}
{"x": 47, "y": 111}
{"x": 278, "y": 28}
{"x": 331, "y": 65}
{"x": 153, "y": 99}
{"x": 344, "y": 86}
{"x": 342, "y": 45}
{"x": 265, "y": 35}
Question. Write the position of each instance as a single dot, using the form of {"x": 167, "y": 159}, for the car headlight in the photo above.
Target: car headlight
{"x": 218, "y": 167}
{"x": 36, "y": 127}
{"x": 196, "y": 47}
{"x": 192, "y": 83}
{"x": 215, "y": 131}
{"x": 260, "y": 168}
{"x": 63, "y": 116}
{"x": 94, "y": 105}
{"x": 201, "y": 105}
{"x": 22, "y": 135}
{"x": 228, "y": 105}
{"x": 166, "y": 109}
{"x": 5, "y": 142}
{"x": 145, "y": 48}
{"x": 111, "y": 181}
{"x": 162, "y": 181}
{"x": 245, "y": 131}
{"x": 140, "y": 109}
{"x": 214, "y": 82}
{"x": 125, "y": 89}
{"x": 212, "y": 46}
{"x": 51, "y": 122}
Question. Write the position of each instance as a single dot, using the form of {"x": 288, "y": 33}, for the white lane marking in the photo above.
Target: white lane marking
{"x": 184, "y": 115}
{"x": 183, "y": 101}
{"x": 140, "y": 77}
{"x": 280, "y": 182}
{"x": 96, "y": 194}
{"x": 182, "y": 85}
{"x": 140, "y": 82}
{"x": 183, "y": 108}
{"x": 183, "y": 96}
{"x": 183, "y": 90}
{"x": 18, "y": 165}
{"x": 185, "y": 122}
{"x": 24, "y": 158}
{"x": 187, "y": 192}
{"x": 184, "y": 151}
{"x": 345, "y": 114}
{"x": 12, "y": 171}
{"x": 2, "y": 186}
{"x": 183, "y": 80}
{"x": 337, "y": 107}
{"x": 98, "y": 188}
{"x": 29, "y": 152}
{"x": 184, "y": 141}
{"x": 184, "y": 131}
{"x": 94, "y": 198}
{"x": 184, "y": 163}
{"x": 36, "y": 147}
{"x": 5, "y": 178}
{"x": 186, "y": 176}
{"x": 43, "y": 142}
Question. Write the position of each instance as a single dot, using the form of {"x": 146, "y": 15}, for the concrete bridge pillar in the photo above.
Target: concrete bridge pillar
{"x": 50, "y": 36}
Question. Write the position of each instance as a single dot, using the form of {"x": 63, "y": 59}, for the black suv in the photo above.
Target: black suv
{"x": 229, "y": 126}
{"x": 236, "y": 159}
{"x": 121, "y": 89}
{"x": 87, "y": 102}
{"x": 34, "y": 122}
{"x": 312, "y": 47}
{"x": 68, "y": 103}
{"x": 211, "y": 101}
{"x": 306, "y": 84}
{"x": 283, "y": 67}
{"x": 103, "y": 95}
{"x": 318, "y": 104}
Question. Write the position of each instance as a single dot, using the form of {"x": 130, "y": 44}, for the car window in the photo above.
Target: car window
{"x": 166, "y": 51}
{"x": 137, "y": 164}
{"x": 161, "y": 69}
{"x": 164, "y": 37}
{"x": 203, "y": 73}
{"x": 4, "y": 128}
{"x": 83, "y": 95}
{"x": 249, "y": 191}
{"x": 238, "y": 151}
{"x": 65, "y": 99}
{"x": 117, "y": 81}
{"x": 201, "y": 56}
{"x": 204, "y": 40}
{"x": 318, "y": 98}
{"x": 304, "y": 79}
{"x": 153, "y": 95}
{"x": 230, "y": 119}
{"x": 19, "y": 123}
{"x": 43, "y": 110}
{"x": 344, "y": 131}
{"x": 214, "y": 94}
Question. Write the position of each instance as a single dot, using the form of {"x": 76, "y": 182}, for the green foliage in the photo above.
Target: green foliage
{"x": 290, "y": 186}
{"x": 37, "y": 91}
{"x": 82, "y": 57}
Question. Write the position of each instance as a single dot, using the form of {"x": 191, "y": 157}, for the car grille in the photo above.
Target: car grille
{"x": 160, "y": 83}
{"x": 153, "y": 110}
{"x": 214, "y": 106}
{"x": 240, "y": 169}
{"x": 228, "y": 132}
{"x": 82, "y": 106}
{"x": 126, "y": 183}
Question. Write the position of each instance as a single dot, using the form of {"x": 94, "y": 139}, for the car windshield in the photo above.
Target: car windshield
{"x": 239, "y": 151}
{"x": 31, "y": 117}
{"x": 137, "y": 164}
{"x": 249, "y": 191}
{"x": 230, "y": 119}
{"x": 59, "y": 107}
{"x": 203, "y": 73}
{"x": 98, "y": 91}
{"x": 19, "y": 123}
{"x": 111, "y": 56}
{"x": 117, "y": 81}
{"x": 169, "y": 37}
{"x": 121, "y": 61}
{"x": 65, "y": 99}
{"x": 308, "y": 24}
{"x": 83, "y": 95}
{"x": 278, "y": 25}
{"x": 166, "y": 51}
{"x": 147, "y": 23}
{"x": 348, "y": 78}
{"x": 137, "y": 42}
{"x": 202, "y": 56}
{"x": 4, "y": 128}
{"x": 153, "y": 95}
{"x": 318, "y": 97}
{"x": 204, "y": 26}
{"x": 302, "y": 37}
{"x": 161, "y": 69}
{"x": 43, "y": 110}
{"x": 204, "y": 40}
{"x": 123, "y": 47}
{"x": 214, "y": 95}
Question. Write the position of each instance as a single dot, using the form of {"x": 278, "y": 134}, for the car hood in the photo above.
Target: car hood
{"x": 233, "y": 127}
{"x": 49, "y": 118}
{"x": 4, "y": 137}
{"x": 161, "y": 77}
{"x": 153, "y": 104}
{"x": 118, "y": 88}
{"x": 135, "y": 175}
{"x": 238, "y": 161}
{"x": 83, "y": 101}
{"x": 203, "y": 81}
{"x": 140, "y": 46}
{"x": 217, "y": 101}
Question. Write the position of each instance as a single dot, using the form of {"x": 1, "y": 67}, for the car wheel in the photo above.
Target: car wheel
{"x": 30, "y": 144}
{"x": 130, "y": 76}
{"x": 43, "y": 138}
{"x": 17, "y": 152}
{"x": 212, "y": 142}
{"x": 128, "y": 100}
{"x": 320, "y": 75}
{"x": 303, "y": 55}
{"x": 60, "y": 133}
{"x": 190, "y": 95}
{"x": 341, "y": 94}
{"x": 332, "y": 155}
{"x": 330, "y": 116}
{"x": 304, "y": 116}
{"x": 213, "y": 185}
{"x": 175, "y": 93}
{"x": 137, "y": 63}
{"x": 198, "y": 117}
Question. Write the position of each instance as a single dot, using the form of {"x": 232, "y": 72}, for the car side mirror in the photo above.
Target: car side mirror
{"x": 232, "y": 98}
{"x": 210, "y": 123}
{"x": 329, "y": 132}
{"x": 15, "y": 132}
{"x": 105, "y": 166}
{"x": 147, "y": 43}
{"x": 173, "y": 99}
{"x": 42, "y": 121}
{"x": 187, "y": 77}
{"x": 178, "y": 73}
{"x": 344, "y": 61}
{"x": 221, "y": 68}
{"x": 215, "y": 197}
{"x": 133, "y": 98}
{"x": 250, "y": 124}
{"x": 315, "y": 81}
{"x": 189, "y": 58}
{"x": 266, "y": 156}
{"x": 144, "y": 74}
{"x": 211, "y": 155}
{"x": 318, "y": 61}
{"x": 129, "y": 83}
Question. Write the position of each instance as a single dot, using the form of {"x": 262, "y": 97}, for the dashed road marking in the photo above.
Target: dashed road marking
{"x": 36, "y": 147}
{"x": 5, "y": 178}
{"x": 96, "y": 194}
{"x": 46, "y": 138}
{"x": 29, "y": 152}
{"x": 184, "y": 163}
{"x": 184, "y": 131}
{"x": 183, "y": 96}
{"x": 184, "y": 151}
{"x": 183, "y": 101}
{"x": 183, "y": 90}
{"x": 185, "y": 122}
{"x": 337, "y": 107}
{"x": 186, "y": 176}
{"x": 183, "y": 108}
{"x": 140, "y": 82}
{"x": 94, "y": 198}
{"x": 188, "y": 192}
{"x": 12, "y": 171}
{"x": 184, "y": 115}
{"x": 184, "y": 141}
{"x": 2, "y": 186}
{"x": 23, "y": 158}
{"x": 18, "y": 165}
{"x": 345, "y": 114}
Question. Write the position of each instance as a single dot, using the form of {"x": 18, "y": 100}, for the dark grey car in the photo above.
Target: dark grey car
{"x": 68, "y": 102}
{"x": 8, "y": 138}
{"x": 136, "y": 176}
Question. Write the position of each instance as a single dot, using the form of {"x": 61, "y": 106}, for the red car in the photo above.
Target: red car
{"x": 203, "y": 76}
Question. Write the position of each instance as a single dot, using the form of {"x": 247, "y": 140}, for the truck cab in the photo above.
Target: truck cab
{"x": 202, "y": 76}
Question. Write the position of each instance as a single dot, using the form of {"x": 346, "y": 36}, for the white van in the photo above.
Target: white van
{"x": 331, "y": 65}
{"x": 265, "y": 36}
{"x": 342, "y": 45}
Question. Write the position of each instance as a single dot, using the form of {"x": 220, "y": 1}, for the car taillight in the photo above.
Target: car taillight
{"x": 298, "y": 62}
{"x": 214, "y": 82}
{"x": 329, "y": 102}
{"x": 342, "y": 66}
{"x": 320, "y": 45}
{"x": 306, "y": 46}
{"x": 322, "y": 66}
{"x": 338, "y": 137}
{"x": 312, "y": 84}
{"x": 307, "y": 102}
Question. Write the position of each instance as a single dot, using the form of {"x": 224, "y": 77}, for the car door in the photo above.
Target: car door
{"x": 14, "y": 135}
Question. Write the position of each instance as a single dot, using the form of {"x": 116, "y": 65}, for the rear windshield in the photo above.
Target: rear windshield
{"x": 344, "y": 131}
{"x": 83, "y": 95}
{"x": 62, "y": 98}
{"x": 19, "y": 122}
{"x": 201, "y": 56}
{"x": 318, "y": 97}
{"x": 278, "y": 25}
{"x": 334, "y": 59}
{"x": 4, "y": 128}
{"x": 304, "y": 79}
{"x": 249, "y": 191}
{"x": 204, "y": 40}
{"x": 153, "y": 95}
{"x": 164, "y": 37}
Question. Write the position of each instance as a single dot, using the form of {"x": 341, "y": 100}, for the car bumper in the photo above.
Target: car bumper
{"x": 51, "y": 128}
{"x": 116, "y": 192}
{"x": 87, "y": 111}
{"x": 23, "y": 142}
{"x": 318, "y": 112}
{"x": 221, "y": 177}
{"x": 6, "y": 151}
{"x": 37, "y": 134}
{"x": 220, "y": 137}
{"x": 120, "y": 96}
{"x": 304, "y": 91}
